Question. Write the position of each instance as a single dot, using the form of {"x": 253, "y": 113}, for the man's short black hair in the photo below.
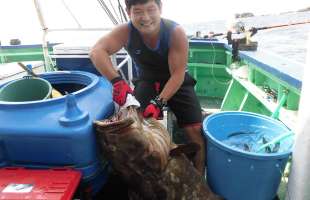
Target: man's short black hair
{"x": 130, "y": 3}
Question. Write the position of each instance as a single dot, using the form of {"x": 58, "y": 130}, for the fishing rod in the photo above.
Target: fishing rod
{"x": 282, "y": 25}
{"x": 245, "y": 43}
{"x": 254, "y": 29}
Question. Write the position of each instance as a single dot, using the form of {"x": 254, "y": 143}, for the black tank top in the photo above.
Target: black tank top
{"x": 151, "y": 64}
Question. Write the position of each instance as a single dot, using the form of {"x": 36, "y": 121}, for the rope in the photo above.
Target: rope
{"x": 108, "y": 12}
{"x": 71, "y": 13}
{"x": 3, "y": 58}
{"x": 114, "y": 11}
{"x": 212, "y": 68}
{"x": 122, "y": 12}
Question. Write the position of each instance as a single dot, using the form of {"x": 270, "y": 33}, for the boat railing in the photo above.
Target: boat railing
{"x": 122, "y": 64}
{"x": 260, "y": 82}
{"x": 49, "y": 64}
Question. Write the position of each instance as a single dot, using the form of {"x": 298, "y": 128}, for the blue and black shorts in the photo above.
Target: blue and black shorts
{"x": 184, "y": 104}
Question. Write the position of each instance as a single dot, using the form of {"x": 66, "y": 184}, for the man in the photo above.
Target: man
{"x": 240, "y": 39}
{"x": 159, "y": 48}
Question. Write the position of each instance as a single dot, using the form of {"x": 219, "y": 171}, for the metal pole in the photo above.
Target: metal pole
{"x": 47, "y": 64}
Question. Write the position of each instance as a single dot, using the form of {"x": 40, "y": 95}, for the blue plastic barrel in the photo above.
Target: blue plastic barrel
{"x": 59, "y": 132}
{"x": 236, "y": 174}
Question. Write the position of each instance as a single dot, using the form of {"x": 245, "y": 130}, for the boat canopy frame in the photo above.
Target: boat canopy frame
{"x": 49, "y": 65}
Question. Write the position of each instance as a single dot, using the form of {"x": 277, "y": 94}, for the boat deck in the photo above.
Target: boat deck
{"x": 10, "y": 71}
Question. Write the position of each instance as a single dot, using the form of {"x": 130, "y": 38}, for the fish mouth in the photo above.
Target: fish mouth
{"x": 119, "y": 121}
{"x": 119, "y": 124}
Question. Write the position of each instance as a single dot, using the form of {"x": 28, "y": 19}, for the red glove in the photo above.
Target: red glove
{"x": 120, "y": 90}
{"x": 154, "y": 109}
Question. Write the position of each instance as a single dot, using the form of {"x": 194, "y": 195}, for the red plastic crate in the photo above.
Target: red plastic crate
{"x": 51, "y": 184}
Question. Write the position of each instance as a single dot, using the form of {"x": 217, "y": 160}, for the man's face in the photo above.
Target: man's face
{"x": 145, "y": 17}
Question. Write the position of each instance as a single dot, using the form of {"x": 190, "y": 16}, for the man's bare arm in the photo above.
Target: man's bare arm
{"x": 106, "y": 46}
{"x": 177, "y": 59}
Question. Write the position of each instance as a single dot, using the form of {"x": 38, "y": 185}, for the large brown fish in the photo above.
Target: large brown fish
{"x": 141, "y": 151}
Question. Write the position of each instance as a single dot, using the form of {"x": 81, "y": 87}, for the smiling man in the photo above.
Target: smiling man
{"x": 159, "y": 49}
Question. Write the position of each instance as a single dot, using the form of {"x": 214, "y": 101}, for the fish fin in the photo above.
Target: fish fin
{"x": 189, "y": 150}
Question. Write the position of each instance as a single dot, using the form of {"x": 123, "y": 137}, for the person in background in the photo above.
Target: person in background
{"x": 159, "y": 49}
{"x": 198, "y": 34}
{"x": 240, "y": 39}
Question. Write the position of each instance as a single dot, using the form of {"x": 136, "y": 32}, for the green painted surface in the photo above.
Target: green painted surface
{"x": 267, "y": 80}
{"x": 208, "y": 64}
{"x": 253, "y": 105}
{"x": 216, "y": 89}
{"x": 26, "y": 89}
{"x": 22, "y": 53}
{"x": 238, "y": 93}
{"x": 212, "y": 79}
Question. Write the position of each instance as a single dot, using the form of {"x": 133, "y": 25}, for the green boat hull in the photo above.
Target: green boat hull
{"x": 251, "y": 85}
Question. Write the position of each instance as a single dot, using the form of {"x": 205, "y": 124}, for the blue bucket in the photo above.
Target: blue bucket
{"x": 236, "y": 174}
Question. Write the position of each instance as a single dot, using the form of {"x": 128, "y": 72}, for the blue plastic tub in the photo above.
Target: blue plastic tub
{"x": 58, "y": 132}
{"x": 240, "y": 175}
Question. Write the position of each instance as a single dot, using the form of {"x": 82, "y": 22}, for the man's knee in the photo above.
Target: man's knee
{"x": 194, "y": 132}
{"x": 196, "y": 125}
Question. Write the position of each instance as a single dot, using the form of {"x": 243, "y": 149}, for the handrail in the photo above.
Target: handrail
{"x": 49, "y": 65}
{"x": 47, "y": 60}
{"x": 129, "y": 66}
{"x": 123, "y": 62}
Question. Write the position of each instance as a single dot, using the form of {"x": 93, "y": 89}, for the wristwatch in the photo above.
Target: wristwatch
{"x": 159, "y": 102}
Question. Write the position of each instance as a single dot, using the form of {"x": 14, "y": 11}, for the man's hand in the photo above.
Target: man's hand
{"x": 120, "y": 90}
{"x": 154, "y": 109}
{"x": 253, "y": 31}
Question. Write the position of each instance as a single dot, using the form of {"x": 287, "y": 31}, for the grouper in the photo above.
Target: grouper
{"x": 142, "y": 153}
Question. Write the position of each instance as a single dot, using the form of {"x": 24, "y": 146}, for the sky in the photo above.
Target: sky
{"x": 22, "y": 18}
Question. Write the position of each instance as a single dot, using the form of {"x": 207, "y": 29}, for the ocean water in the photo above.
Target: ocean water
{"x": 289, "y": 41}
